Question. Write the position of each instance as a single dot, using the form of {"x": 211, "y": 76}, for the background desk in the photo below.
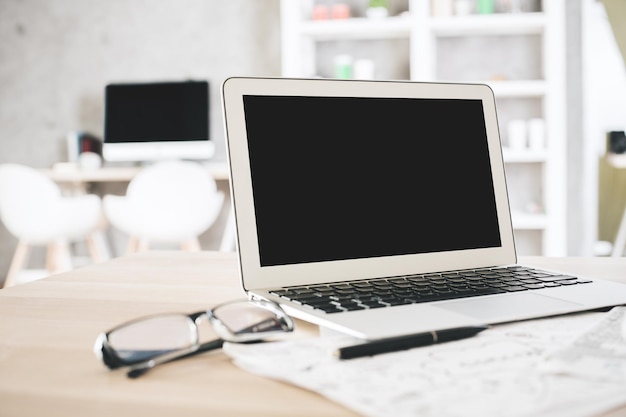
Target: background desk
{"x": 47, "y": 330}
{"x": 75, "y": 179}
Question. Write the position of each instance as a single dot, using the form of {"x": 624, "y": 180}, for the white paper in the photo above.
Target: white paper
{"x": 499, "y": 372}
{"x": 599, "y": 352}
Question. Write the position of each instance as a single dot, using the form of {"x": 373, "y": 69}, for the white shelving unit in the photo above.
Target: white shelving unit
{"x": 537, "y": 178}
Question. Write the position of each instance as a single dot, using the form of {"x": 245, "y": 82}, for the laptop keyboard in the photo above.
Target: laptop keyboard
{"x": 410, "y": 289}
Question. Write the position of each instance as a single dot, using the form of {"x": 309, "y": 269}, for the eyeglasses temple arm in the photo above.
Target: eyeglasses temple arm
{"x": 143, "y": 367}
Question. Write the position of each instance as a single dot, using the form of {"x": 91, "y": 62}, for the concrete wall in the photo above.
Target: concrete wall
{"x": 57, "y": 56}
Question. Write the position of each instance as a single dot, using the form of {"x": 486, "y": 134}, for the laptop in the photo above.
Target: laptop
{"x": 380, "y": 208}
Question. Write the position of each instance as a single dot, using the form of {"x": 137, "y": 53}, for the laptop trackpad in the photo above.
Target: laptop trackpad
{"x": 522, "y": 305}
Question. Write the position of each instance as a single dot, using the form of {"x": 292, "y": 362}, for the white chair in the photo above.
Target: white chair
{"x": 168, "y": 202}
{"x": 34, "y": 210}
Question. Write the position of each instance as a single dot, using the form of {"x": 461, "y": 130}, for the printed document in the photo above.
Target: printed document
{"x": 507, "y": 370}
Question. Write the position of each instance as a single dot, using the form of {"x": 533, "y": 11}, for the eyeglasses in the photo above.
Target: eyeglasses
{"x": 147, "y": 342}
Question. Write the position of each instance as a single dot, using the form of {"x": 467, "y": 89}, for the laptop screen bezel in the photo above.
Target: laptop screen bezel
{"x": 254, "y": 276}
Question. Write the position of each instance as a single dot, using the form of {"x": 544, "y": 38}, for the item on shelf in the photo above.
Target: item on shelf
{"x": 511, "y": 6}
{"x": 343, "y": 66}
{"x": 517, "y": 131}
{"x": 363, "y": 69}
{"x": 617, "y": 142}
{"x": 536, "y": 134}
{"x": 377, "y": 9}
{"x": 463, "y": 7}
{"x": 519, "y": 6}
{"x": 485, "y": 6}
{"x": 340, "y": 11}
{"x": 320, "y": 12}
{"x": 80, "y": 142}
{"x": 89, "y": 160}
{"x": 441, "y": 8}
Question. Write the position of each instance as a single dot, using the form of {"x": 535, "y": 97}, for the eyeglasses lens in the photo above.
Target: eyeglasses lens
{"x": 245, "y": 321}
{"x": 148, "y": 338}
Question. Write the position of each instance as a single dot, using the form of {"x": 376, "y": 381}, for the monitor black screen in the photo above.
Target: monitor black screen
{"x": 153, "y": 112}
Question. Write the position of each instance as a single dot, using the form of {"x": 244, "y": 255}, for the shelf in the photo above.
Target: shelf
{"x": 448, "y": 49}
{"x": 400, "y": 27}
{"x": 358, "y": 28}
{"x": 493, "y": 24}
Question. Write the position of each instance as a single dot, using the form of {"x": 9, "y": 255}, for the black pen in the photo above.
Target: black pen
{"x": 393, "y": 344}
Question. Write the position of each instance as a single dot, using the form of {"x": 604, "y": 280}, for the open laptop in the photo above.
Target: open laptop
{"x": 380, "y": 208}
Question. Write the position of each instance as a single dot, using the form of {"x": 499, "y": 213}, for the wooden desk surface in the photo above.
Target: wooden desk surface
{"x": 48, "y": 327}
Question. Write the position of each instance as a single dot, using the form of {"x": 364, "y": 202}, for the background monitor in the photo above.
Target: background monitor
{"x": 157, "y": 121}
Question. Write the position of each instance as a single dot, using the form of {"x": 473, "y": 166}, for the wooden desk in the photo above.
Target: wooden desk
{"x": 75, "y": 175}
{"x": 48, "y": 327}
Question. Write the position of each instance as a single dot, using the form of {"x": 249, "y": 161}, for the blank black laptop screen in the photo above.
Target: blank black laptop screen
{"x": 338, "y": 178}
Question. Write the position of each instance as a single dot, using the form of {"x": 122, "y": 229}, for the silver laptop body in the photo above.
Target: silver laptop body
{"x": 336, "y": 181}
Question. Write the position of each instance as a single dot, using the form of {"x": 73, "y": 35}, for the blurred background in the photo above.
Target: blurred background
{"x": 56, "y": 57}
